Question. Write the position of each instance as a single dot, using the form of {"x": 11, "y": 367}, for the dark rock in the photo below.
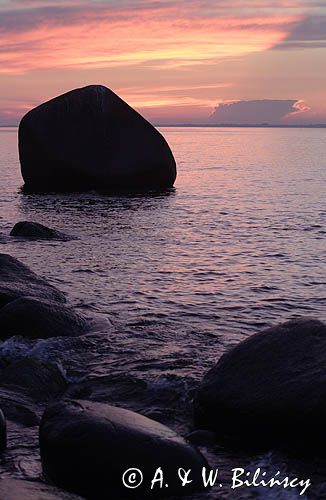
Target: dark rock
{"x": 202, "y": 438}
{"x": 17, "y": 280}
{"x": 110, "y": 389}
{"x": 269, "y": 390}
{"x": 35, "y": 319}
{"x": 33, "y": 230}
{"x": 41, "y": 380}
{"x": 86, "y": 447}
{"x": 18, "y": 407}
{"x": 89, "y": 138}
{"x": 3, "y": 432}
{"x": 16, "y": 489}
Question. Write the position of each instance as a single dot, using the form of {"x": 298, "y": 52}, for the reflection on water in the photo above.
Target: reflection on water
{"x": 237, "y": 246}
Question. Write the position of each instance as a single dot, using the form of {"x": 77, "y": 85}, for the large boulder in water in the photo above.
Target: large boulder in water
{"x": 17, "y": 280}
{"x": 269, "y": 390}
{"x": 87, "y": 447}
{"x": 89, "y": 138}
{"x": 36, "y": 319}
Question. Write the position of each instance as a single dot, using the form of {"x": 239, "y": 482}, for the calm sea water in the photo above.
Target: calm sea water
{"x": 173, "y": 280}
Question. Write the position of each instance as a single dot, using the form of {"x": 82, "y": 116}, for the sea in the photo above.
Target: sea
{"x": 171, "y": 281}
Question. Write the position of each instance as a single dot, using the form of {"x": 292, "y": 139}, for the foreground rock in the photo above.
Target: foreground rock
{"x": 15, "y": 489}
{"x": 86, "y": 447}
{"x": 3, "y": 432}
{"x": 89, "y": 138}
{"x": 17, "y": 280}
{"x": 35, "y": 231}
{"x": 270, "y": 389}
{"x": 35, "y": 319}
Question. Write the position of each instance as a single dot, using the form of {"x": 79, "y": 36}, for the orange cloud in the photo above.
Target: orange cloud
{"x": 160, "y": 36}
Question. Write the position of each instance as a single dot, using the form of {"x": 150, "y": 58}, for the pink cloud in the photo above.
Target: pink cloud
{"x": 84, "y": 36}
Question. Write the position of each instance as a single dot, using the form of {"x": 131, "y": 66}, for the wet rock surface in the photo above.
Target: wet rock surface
{"x": 17, "y": 280}
{"x": 40, "y": 379}
{"x": 269, "y": 390}
{"x": 19, "y": 407}
{"x": 38, "y": 319}
{"x": 86, "y": 447}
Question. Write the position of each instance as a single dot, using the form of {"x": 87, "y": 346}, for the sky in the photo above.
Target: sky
{"x": 182, "y": 61}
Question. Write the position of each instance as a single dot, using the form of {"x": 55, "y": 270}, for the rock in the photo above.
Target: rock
{"x": 35, "y": 319}
{"x": 3, "y": 432}
{"x": 35, "y": 231}
{"x": 113, "y": 389}
{"x": 86, "y": 447}
{"x": 89, "y": 138}
{"x": 17, "y": 280}
{"x": 42, "y": 380}
{"x": 202, "y": 438}
{"x": 31, "y": 307}
{"x": 18, "y": 407}
{"x": 270, "y": 390}
{"x": 16, "y": 489}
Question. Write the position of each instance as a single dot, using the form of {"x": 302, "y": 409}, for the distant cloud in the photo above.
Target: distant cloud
{"x": 270, "y": 111}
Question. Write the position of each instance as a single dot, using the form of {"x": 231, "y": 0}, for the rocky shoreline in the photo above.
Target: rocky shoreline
{"x": 255, "y": 394}
{"x": 29, "y": 386}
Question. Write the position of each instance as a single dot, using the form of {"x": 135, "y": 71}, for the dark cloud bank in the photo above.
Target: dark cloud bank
{"x": 266, "y": 111}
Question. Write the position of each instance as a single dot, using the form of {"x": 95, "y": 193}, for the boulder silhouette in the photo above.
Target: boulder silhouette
{"x": 87, "y": 447}
{"x": 269, "y": 390}
{"x": 89, "y": 138}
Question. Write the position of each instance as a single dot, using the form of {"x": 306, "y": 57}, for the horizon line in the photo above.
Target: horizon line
{"x": 223, "y": 125}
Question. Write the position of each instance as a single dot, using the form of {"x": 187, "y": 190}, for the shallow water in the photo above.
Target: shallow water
{"x": 173, "y": 280}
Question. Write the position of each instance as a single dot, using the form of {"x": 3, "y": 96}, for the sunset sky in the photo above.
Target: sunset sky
{"x": 184, "y": 61}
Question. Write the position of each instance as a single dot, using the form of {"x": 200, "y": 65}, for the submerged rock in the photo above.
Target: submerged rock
{"x": 36, "y": 231}
{"x": 269, "y": 390}
{"x": 17, "y": 280}
{"x": 41, "y": 380}
{"x": 35, "y": 319}
{"x": 16, "y": 489}
{"x": 89, "y": 138}
{"x": 86, "y": 448}
{"x": 3, "y": 432}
